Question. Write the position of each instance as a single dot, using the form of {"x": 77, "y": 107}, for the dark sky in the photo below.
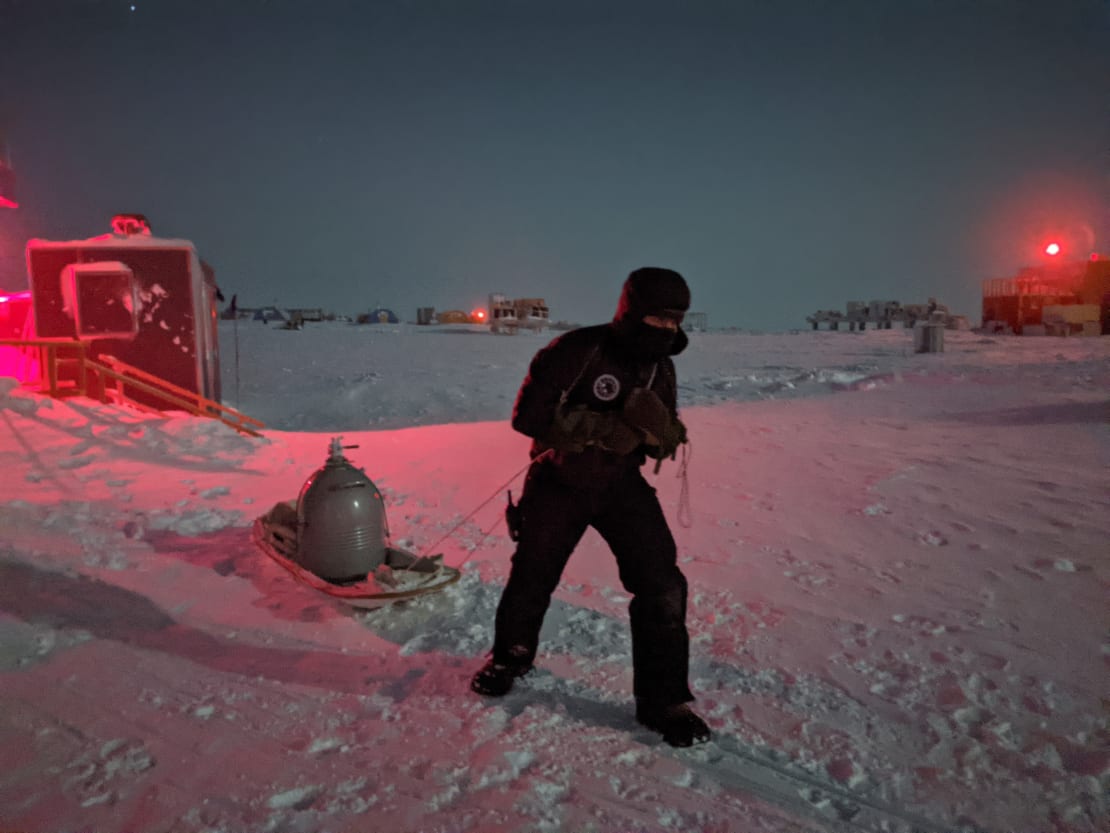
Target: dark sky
{"x": 785, "y": 156}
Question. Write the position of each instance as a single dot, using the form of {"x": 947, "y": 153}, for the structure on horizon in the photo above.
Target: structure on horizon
{"x": 509, "y": 315}
{"x": 1058, "y": 297}
{"x": 883, "y": 315}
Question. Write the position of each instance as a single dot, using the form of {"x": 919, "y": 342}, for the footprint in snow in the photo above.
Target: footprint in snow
{"x": 97, "y": 776}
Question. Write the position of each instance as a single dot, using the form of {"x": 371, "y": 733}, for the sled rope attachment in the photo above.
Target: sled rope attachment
{"x": 427, "y": 550}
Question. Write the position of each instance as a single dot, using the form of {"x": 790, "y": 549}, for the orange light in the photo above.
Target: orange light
{"x": 1052, "y": 249}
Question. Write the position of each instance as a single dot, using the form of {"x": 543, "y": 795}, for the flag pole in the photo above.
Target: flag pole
{"x": 235, "y": 330}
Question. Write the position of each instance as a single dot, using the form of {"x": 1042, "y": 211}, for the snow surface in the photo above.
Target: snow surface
{"x": 898, "y": 567}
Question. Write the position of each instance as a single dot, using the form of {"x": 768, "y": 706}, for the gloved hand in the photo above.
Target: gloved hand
{"x": 673, "y": 436}
{"x": 577, "y": 428}
{"x": 643, "y": 409}
{"x": 663, "y": 433}
{"x": 616, "y": 435}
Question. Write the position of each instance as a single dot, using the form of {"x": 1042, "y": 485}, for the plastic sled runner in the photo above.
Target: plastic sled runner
{"x": 402, "y": 576}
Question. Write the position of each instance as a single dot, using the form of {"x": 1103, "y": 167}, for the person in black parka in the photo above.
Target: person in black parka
{"x": 597, "y": 402}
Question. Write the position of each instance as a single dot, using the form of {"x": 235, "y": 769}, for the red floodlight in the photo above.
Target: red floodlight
{"x": 7, "y": 183}
{"x": 1052, "y": 249}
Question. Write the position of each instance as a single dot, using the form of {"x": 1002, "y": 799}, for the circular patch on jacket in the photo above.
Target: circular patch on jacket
{"x": 606, "y": 387}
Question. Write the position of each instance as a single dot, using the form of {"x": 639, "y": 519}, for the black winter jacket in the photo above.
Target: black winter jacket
{"x": 589, "y": 367}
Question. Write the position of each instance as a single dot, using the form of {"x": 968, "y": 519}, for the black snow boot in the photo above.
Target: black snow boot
{"x": 495, "y": 679}
{"x": 677, "y": 723}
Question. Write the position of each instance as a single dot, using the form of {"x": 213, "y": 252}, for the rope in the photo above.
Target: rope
{"x": 481, "y": 541}
{"x": 685, "y": 517}
{"x": 570, "y": 388}
{"x": 473, "y": 512}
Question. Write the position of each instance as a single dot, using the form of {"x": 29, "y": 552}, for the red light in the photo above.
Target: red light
{"x": 1052, "y": 249}
{"x": 479, "y": 314}
{"x": 7, "y": 180}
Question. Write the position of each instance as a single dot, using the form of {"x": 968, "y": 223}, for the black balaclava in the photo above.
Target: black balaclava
{"x": 651, "y": 291}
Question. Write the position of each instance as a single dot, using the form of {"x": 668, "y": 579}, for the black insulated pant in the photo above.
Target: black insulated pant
{"x": 626, "y": 513}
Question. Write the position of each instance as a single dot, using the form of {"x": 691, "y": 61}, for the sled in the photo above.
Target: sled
{"x": 402, "y": 576}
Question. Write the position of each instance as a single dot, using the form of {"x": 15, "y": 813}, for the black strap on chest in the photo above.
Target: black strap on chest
{"x": 585, "y": 366}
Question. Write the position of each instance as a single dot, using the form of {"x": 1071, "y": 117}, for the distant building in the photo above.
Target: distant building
{"x": 696, "y": 321}
{"x": 502, "y": 314}
{"x": 307, "y": 313}
{"x": 381, "y": 315}
{"x": 452, "y": 316}
{"x": 509, "y": 315}
{"x": 883, "y": 315}
{"x": 1034, "y": 301}
{"x": 268, "y": 314}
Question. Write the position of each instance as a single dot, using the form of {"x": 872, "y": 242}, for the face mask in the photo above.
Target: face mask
{"x": 650, "y": 342}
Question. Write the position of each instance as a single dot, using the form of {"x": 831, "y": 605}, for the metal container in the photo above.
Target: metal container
{"x": 341, "y": 527}
{"x": 928, "y": 338}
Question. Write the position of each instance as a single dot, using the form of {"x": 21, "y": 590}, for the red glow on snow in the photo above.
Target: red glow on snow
{"x": 16, "y": 362}
{"x": 1052, "y": 249}
{"x": 6, "y": 203}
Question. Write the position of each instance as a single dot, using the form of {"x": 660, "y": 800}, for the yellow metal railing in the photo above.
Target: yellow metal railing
{"x": 107, "y": 378}
{"x": 124, "y": 376}
{"x": 48, "y": 358}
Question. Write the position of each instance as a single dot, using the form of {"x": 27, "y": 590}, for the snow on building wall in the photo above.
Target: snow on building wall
{"x": 147, "y": 301}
